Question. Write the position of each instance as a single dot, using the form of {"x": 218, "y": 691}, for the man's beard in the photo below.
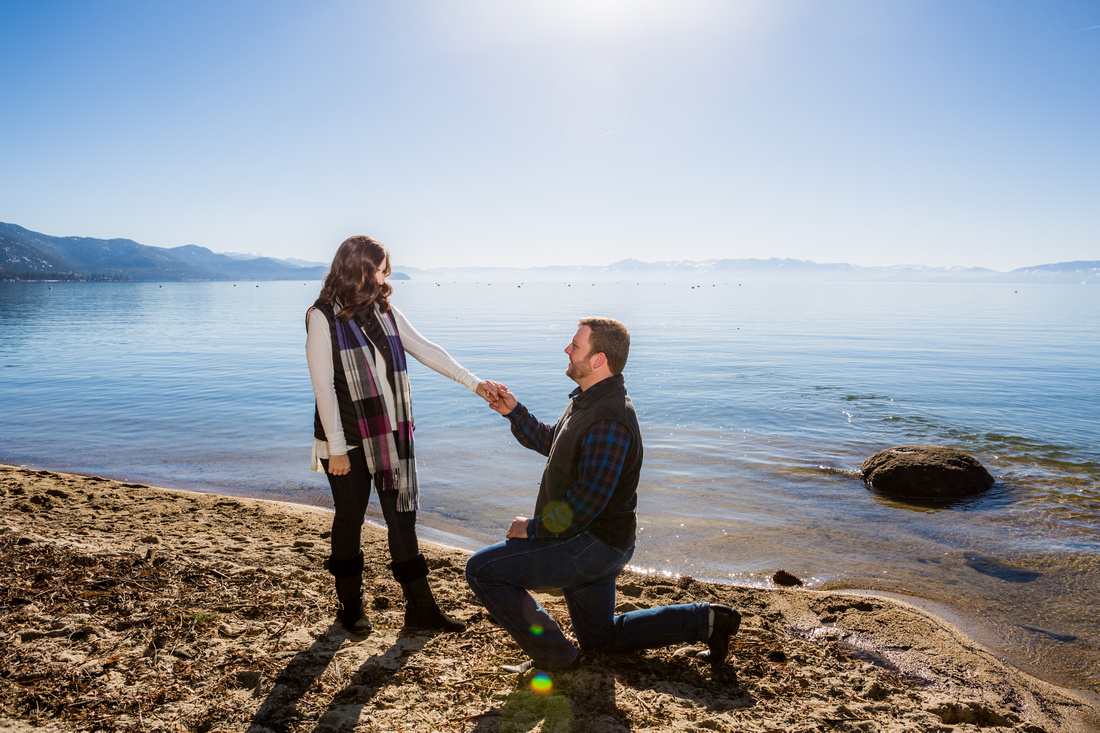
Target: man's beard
{"x": 578, "y": 370}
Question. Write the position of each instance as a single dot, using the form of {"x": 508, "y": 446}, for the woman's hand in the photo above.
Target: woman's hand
{"x": 490, "y": 390}
{"x": 339, "y": 465}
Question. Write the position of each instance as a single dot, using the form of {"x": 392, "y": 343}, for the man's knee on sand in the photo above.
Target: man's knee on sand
{"x": 471, "y": 570}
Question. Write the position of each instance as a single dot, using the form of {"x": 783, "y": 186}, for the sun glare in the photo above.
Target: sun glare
{"x": 620, "y": 17}
{"x": 604, "y": 16}
{"x": 521, "y": 23}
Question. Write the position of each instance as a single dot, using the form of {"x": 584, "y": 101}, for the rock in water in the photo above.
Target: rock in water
{"x": 785, "y": 579}
{"x": 925, "y": 472}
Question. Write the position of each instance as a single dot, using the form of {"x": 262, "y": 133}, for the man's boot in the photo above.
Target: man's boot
{"x": 420, "y": 606}
{"x": 726, "y": 622}
{"x": 349, "y": 594}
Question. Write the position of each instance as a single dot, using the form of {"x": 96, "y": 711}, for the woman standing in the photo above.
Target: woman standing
{"x": 363, "y": 425}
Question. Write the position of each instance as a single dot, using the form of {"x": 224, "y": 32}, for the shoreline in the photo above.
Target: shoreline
{"x": 191, "y": 607}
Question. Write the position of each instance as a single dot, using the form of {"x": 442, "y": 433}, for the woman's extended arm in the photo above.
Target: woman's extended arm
{"x": 436, "y": 357}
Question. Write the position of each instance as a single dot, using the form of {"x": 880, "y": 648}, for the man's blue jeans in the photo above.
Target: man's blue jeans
{"x": 585, "y": 569}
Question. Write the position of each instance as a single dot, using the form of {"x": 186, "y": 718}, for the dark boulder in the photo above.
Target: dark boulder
{"x": 785, "y": 579}
{"x": 925, "y": 472}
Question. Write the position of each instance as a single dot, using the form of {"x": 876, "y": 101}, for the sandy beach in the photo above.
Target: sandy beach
{"x": 126, "y": 607}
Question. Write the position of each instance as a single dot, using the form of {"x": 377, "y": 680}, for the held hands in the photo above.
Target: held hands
{"x": 488, "y": 390}
{"x": 497, "y": 395}
{"x": 504, "y": 402}
{"x": 517, "y": 530}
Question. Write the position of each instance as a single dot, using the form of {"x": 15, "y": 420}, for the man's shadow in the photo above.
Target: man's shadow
{"x": 279, "y": 712}
{"x": 538, "y": 701}
{"x": 586, "y": 702}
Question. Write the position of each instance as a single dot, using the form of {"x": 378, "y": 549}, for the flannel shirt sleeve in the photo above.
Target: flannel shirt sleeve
{"x": 530, "y": 432}
{"x": 603, "y": 454}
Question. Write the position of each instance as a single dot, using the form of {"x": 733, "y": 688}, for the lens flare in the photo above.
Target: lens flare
{"x": 541, "y": 684}
{"x": 536, "y": 629}
{"x": 557, "y": 516}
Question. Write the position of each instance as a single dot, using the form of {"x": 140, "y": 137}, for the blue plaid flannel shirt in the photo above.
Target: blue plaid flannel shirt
{"x": 603, "y": 453}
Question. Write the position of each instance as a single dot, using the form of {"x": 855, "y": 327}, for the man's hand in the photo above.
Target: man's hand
{"x": 518, "y": 530}
{"x": 339, "y": 465}
{"x": 505, "y": 401}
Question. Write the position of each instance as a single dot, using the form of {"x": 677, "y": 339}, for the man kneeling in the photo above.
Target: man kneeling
{"x": 584, "y": 528}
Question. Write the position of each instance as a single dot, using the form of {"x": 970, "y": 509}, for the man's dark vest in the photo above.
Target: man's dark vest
{"x": 617, "y": 523}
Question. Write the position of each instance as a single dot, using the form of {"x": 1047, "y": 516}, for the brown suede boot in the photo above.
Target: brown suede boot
{"x": 421, "y": 610}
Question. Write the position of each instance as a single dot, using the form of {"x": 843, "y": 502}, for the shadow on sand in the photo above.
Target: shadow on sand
{"x": 279, "y": 712}
{"x": 585, "y": 701}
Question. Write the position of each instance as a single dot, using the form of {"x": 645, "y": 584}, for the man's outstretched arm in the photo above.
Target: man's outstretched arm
{"x": 528, "y": 430}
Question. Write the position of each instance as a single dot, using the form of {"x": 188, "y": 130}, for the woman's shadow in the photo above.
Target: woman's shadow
{"x": 279, "y": 711}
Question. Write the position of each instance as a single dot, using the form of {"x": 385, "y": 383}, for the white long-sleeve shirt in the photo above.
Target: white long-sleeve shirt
{"x": 321, "y": 371}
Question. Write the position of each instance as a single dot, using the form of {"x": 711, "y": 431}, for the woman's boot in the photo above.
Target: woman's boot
{"x": 349, "y": 594}
{"x": 420, "y": 606}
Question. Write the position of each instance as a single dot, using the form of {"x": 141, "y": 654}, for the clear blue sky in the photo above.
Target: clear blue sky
{"x": 495, "y": 132}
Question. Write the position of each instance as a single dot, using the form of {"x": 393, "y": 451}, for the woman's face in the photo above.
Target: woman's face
{"x": 380, "y": 273}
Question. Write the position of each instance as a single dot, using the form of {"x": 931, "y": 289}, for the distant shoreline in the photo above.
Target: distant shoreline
{"x": 32, "y": 256}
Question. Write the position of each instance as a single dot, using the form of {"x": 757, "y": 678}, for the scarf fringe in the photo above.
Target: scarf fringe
{"x": 408, "y": 499}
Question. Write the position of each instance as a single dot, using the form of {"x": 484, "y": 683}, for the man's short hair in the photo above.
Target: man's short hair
{"x": 610, "y": 338}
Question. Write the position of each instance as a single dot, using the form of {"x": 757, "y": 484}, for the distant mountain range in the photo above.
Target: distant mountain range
{"x": 27, "y": 255}
{"x": 1083, "y": 273}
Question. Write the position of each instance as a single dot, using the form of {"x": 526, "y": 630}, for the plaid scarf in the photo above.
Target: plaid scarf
{"x": 367, "y": 344}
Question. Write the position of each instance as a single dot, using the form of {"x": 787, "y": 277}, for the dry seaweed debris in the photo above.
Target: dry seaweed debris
{"x": 164, "y": 642}
{"x": 128, "y": 608}
{"x": 138, "y": 633}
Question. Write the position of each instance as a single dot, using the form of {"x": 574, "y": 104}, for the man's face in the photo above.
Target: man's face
{"x": 578, "y": 351}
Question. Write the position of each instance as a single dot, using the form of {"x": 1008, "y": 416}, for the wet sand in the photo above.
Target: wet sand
{"x": 127, "y": 607}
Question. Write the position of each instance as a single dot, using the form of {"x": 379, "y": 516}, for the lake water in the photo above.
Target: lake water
{"x": 758, "y": 402}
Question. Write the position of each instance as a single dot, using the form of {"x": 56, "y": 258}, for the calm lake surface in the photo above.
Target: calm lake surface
{"x": 758, "y": 402}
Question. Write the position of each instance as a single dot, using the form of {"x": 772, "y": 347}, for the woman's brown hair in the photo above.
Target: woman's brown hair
{"x": 350, "y": 279}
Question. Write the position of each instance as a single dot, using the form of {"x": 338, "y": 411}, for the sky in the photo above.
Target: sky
{"x": 521, "y": 133}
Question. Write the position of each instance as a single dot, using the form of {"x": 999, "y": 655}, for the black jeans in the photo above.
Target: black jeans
{"x": 350, "y": 494}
